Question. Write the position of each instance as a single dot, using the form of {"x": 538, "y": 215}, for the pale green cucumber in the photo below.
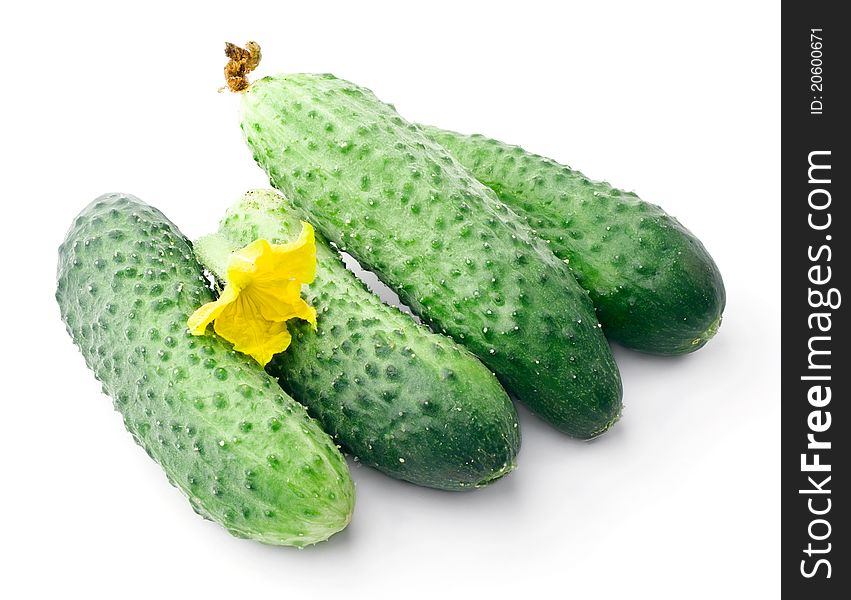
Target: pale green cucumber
{"x": 409, "y": 402}
{"x": 383, "y": 191}
{"x": 245, "y": 454}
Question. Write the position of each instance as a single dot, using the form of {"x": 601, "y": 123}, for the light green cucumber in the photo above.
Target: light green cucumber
{"x": 380, "y": 189}
{"x": 244, "y": 453}
{"x": 409, "y": 402}
{"x": 655, "y": 286}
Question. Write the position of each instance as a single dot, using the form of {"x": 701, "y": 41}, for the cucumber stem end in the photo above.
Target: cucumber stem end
{"x": 707, "y": 335}
{"x": 241, "y": 61}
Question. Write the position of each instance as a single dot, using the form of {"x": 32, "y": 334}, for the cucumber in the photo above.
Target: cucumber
{"x": 245, "y": 454}
{"x": 655, "y": 286}
{"x": 381, "y": 190}
{"x": 400, "y": 398}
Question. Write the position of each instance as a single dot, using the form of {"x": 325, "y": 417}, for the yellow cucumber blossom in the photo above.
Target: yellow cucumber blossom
{"x": 261, "y": 294}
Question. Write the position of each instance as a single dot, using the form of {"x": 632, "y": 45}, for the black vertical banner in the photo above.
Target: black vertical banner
{"x": 816, "y": 370}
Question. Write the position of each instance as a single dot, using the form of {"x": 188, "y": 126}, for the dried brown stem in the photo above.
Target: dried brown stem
{"x": 241, "y": 62}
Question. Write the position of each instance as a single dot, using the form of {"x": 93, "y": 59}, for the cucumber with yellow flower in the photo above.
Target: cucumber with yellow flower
{"x": 411, "y": 403}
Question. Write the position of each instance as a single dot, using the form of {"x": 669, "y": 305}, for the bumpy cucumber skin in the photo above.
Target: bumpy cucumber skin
{"x": 244, "y": 453}
{"x": 404, "y": 400}
{"x": 655, "y": 286}
{"x": 401, "y": 205}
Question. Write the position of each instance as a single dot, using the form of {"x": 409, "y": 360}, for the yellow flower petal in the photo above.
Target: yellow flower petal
{"x": 263, "y": 292}
{"x": 299, "y": 256}
{"x": 205, "y": 315}
{"x": 276, "y": 303}
{"x": 269, "y": 266}
{"x": 306, "y": 312}
{"x": 259, "y": 338}
{"x": 242, "y": 266}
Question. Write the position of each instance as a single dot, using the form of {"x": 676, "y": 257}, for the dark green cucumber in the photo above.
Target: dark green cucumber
{"x": 655, "y": 286}
{"x": 244, "y": 453}
{"x": 404, "y": 400}
{"x": 401, "y": 205}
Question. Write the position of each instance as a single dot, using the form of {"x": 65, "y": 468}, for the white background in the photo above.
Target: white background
{"x": 677, "y": 101}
